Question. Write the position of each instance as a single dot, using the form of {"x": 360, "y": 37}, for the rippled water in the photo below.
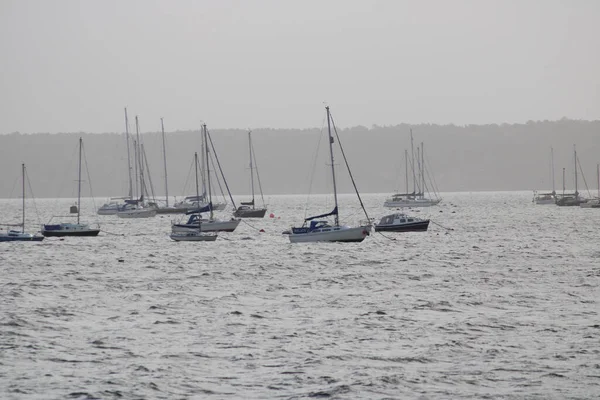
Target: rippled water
{"x": 503, "y": 306}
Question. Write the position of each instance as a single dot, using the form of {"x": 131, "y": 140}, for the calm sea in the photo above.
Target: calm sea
{"x": 504, "y": 304}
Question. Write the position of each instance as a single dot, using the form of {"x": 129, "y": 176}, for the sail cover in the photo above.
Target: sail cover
{"x": 334, "y": 212}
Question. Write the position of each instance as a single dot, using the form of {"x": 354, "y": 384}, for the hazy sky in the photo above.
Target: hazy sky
{"x": 73, "y": 65}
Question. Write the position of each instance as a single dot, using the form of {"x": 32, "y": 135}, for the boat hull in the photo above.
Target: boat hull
{"x": 590, "y": 204}
{"x": 420, "y": 226}
{"x": 171, "y": 210}
{"x": 252, "y": 213}
{"x": 545, "y": 202}
{"x": 146, "y": 213}
{"x": 107, "y": 211}
{"x": 63, "y": 233}
{"x": 192, "y": 237}
{"x": 20, "y": 237}
{"x": 570, "y": 202}
{"x": 335, "y": 234}
{"x": 416, "y": 203}
{"x": 207, "y": 226}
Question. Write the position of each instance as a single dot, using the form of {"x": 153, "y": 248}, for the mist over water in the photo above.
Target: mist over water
{"x": 505, "y": 305}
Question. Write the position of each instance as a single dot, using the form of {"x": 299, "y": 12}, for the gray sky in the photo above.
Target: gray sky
{"x": 73, "y": 65}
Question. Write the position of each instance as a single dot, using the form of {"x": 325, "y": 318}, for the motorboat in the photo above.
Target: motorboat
{"x": 399, "y": 222}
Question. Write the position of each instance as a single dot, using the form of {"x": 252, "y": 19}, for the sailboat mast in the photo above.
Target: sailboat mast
{"x": 412, "y": 162}
{"x": 575, "y": 156}
{"x": 23, "y": 172}
{"x": 140, "y": 155}
{"x": 162, "y": 126}
{"x": 135, "y": 165}
{"x": 251, "y": 171}
{"x": 128, "y": 155}
{"x": 422, "y": 171}
{"x": 208, "y": 172}
{"x": 79, "y": 182}
{"x": 197, "y": 190}
{"x": 406, "y": 169}
{"x": 337, "y": 219}
{"x": 202, "y": 163}
{"x": 552, "y": 169}
{"x": 563, "y": 182}
{"x": 598, "y": 177}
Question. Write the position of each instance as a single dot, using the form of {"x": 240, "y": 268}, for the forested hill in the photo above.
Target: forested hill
{"x": 461, "y": 158}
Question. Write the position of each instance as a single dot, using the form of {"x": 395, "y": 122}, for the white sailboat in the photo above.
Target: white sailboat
{"x": 210, "y": 224}
{"x": 547, "y": 198}
{"x": 66, "y": 228}
{"x": 12, "y": 235}
{"x": 193, "y": 235}
{"x": 138, "y": 208}
{"x": 320, "y": 230}
{"x": 198, "y": 201}
{"x": 248, "y": 209}
{"x": 570, "y": 199}
{"x": 417, "y": 197}
{"x": 166, "y": 208}
{"x": 113, "y": 204}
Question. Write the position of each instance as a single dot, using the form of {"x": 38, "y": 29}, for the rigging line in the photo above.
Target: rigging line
{"x": 583, "y": 176}
{"x": 220, "y": 169}
{"x": 114, "y": 234}
{"x": 32, "y": 197}
{"x": 65, "y": 173}
{"x": 87, "y": 171}
{"x": 314, "y": 167}
{"x": 253, "y": 227}
{"x": 431, "y": 176}
{"x": 13, "y": 188}
{"x": 387, "y": 237}
{"x": 212, "y": 161}
{"x": 442, "y": 226}
{"x": 257, "y": 176}
{"x": 348, "y": 168}
{"x": 188, "y": 177}
{"x": 149, "y": 174}
{"x": 399, "y": 169}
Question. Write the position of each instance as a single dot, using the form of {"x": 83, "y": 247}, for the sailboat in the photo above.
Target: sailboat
{"x": 210, "y": 224}
{"x": 417, "y": 197}
{"x": 547, "y": 198}
{"x": 69, "y": 229}
{"x": 194, "y": 235}
{"x": 137, "y": 208}
{"x": 198, "y": 201}
{"x": 594, "y": 203}
{"x": 113, "y": 204}
{"x": 166, "y": 209}
{"x": 573, "y": 199}
{"x": 320, "y": 230}
{"x": 20, "y": 236}
{"x": 247, "y": 209}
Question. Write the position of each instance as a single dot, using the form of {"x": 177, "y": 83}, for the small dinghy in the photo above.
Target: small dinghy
{"x": 193, "y": 236}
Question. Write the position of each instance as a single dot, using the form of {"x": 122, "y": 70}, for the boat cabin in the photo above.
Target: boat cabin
{"x": 397, "y": 218}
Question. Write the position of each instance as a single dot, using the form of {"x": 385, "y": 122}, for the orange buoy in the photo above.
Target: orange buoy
{"x": 271, "y": 215}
